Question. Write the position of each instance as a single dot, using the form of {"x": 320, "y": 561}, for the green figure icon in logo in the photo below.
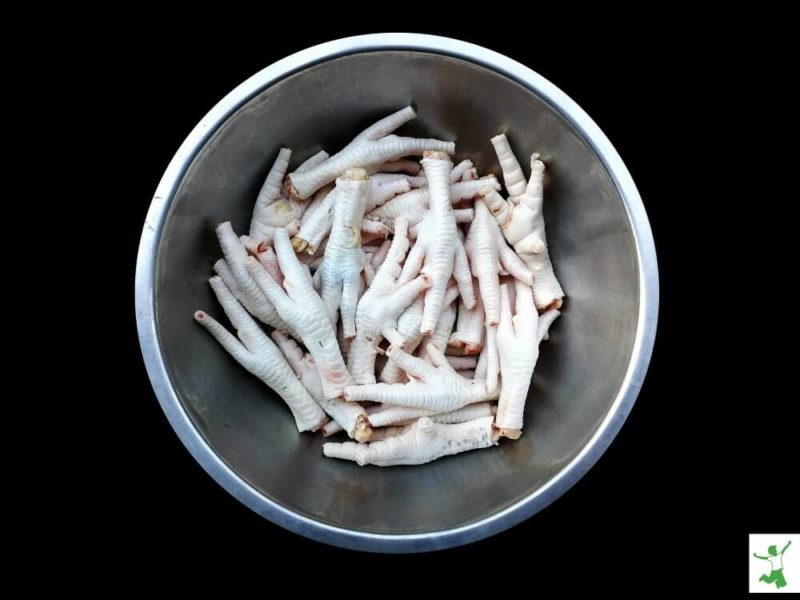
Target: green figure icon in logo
{"x": 776, "y": 560}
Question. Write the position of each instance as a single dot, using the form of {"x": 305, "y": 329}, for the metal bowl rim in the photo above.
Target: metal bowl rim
{"x": 361, "y": 540}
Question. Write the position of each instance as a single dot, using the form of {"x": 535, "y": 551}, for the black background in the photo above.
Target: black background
{"x": 669, "y": 504}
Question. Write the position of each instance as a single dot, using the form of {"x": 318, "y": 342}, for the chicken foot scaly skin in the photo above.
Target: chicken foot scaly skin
{"x": 468, "y": 335}
{"x": 265, "y": 255}
{"x": 462, "y": 363}
{"x": 492, "y": 362}
{"x": 380, "y": 255}
{"x": 246, "y": 290}
{"x": 380, "y": 193}
{"x": 314, "y": 203}
{"x": 461, "y": 215}
{"x": 434, "y": 386}
{"x": 223, "y": 271}
{"x": 344, "y": 259}
{"x": 422, "y": 443}
{"x": 402, "y": 415}
{"x": 300, "y": 307}
{"x": 413, "y": 181}
{"x": 256, "y": 353}
{"x": 438, "y": 245}
{"x": 513, "y": 177}
{"x": 350, "y": 416}
{"x": 487, "y": 251}
{"x": 299, "y": 206}
{"x": 380, "y": 307}
{"x": 442, "y": 332}
{"x": 470, "y": 175}
{"x": 460, "y": 170}
{"x": 489, "y": 362}
{"x": 522, "y": 222}
{"x": 389, "y": 432}
{"x": 271, "y": 209}
{"x": 372, "y": 230}
{"x": 316, "y": 224}
{"x": 408, "y": 325}
{"x": 371, "y": 147}
{"x": 267, "y": 234}
{"x": 518, "y": 349}
{"x": 416, "y": 202}
{"x": 312, "y": 161}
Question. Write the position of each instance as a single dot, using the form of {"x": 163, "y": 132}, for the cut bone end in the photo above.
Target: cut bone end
{"x": 199, "y": 316}
{"x": 499, "y": 139}
{"x": 435, "y": 155}
{"x": 512, "y": 434}
{"x": 299, "y": 244}
{"x": 356, "y": 174}
{"x": 363, "y": 430}
{"x": 471, "y": 349}
{"x": 290, "y": 190}
{"x": 554, "y": 305}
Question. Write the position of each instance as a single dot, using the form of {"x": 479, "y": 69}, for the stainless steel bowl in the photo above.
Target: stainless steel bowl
{"x": 588, "y": 375}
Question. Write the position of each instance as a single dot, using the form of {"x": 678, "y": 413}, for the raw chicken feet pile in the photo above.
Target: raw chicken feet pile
{"x": 404, "y": 301}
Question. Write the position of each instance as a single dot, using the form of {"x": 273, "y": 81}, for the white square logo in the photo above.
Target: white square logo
{"x": 774, "y": 563}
